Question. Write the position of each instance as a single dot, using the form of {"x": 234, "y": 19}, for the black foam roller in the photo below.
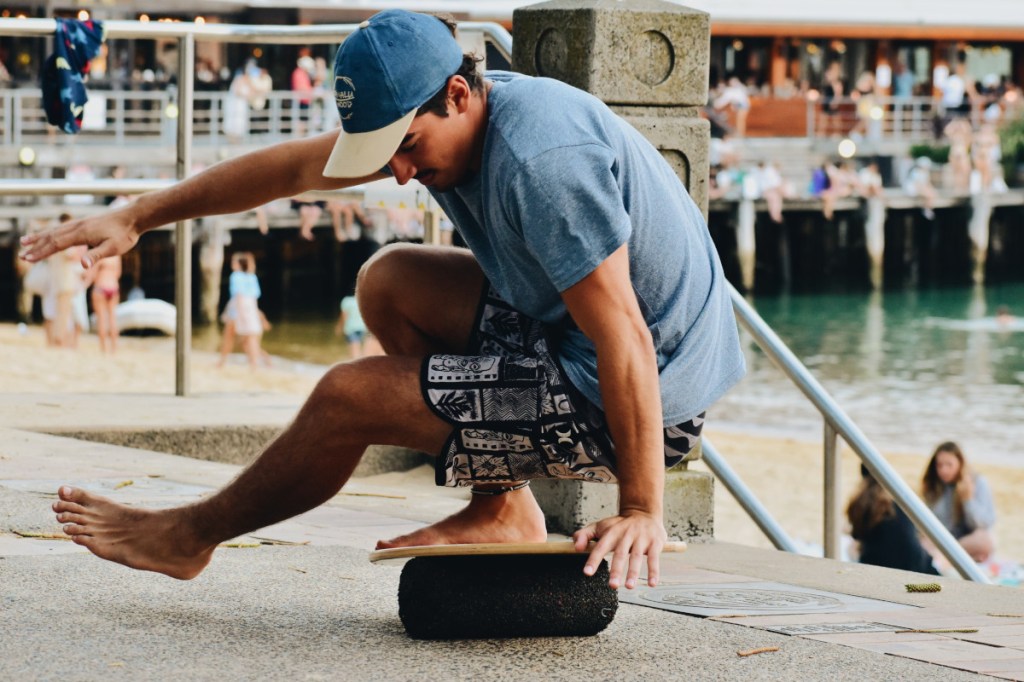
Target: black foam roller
{"x": 463, "y": 597}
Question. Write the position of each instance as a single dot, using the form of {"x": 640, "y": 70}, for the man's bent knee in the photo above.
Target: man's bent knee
{"x": 419, "y": 300}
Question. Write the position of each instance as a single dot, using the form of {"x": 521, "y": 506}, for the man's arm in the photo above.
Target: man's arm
{"x": 239, "y": 184}
{"x": 605, "y": 308}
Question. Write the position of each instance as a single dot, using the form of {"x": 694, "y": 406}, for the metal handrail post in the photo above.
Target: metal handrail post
{"x": 16, "y": 118}
{"x": 119, "y": 114}
{"x": 13, "y": 187}
{"x": 739, "y": 490}
{"x": 8, "y": 117}
{"x": 783, "y": 358}
{"x": 183, "y": 229}
{"x": 833, "y": 503}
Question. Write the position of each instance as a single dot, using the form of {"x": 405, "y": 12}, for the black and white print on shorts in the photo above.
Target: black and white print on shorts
{"x": 515, "y": 414}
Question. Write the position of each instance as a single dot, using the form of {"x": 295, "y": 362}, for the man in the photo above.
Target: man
{"x": 590, "y": 260}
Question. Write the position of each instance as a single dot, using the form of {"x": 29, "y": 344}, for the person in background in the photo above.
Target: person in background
{"x": 258, "y": 86}
{"x": 106, "y": 295}
{"x": 1004, "y": 318}
{"x": 350, "y": 323}
{"x": 961, "y": 500}
{"x": 832, "y": 90}
{"x": 79, "y": 302}
{"x": 302, "y": 86}
{"x": 773, "y": 188}
{"x": 902, "y": 81}
{"x": 869, "y": 181}
{"x": 986, "y": 155}
{"x": 65, "y": 283}
{"x": 958, "y": 91}
{"x": 885, "y": 533}
{"x": 309, "y": 213}
{"x": 242, "y": 316}
{"x": 842, "y": 181}
{"x": 735, "y": 96}
{"x": 348, "y": 219}
{"x": 958, "y": 131}
{"x": 865, "y": 98}
{"x": 918, "y": 183}
{"x": 236, "y": 106}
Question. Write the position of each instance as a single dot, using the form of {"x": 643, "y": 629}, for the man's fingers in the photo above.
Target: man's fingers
{"x": 45, "y": 244}
{"x": 619, "y": 567}
{"x": 653, "y": 566}
{"x": 636, "y": 563}
{"x": 603, "y": 546}
{"x": 583, "y": 536}
{"x": 93, "y": 256}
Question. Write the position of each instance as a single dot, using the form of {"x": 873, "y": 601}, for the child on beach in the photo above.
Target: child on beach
{"x": 350, "y": 323}
{"x": 242, "y": 316}
{"x": 361, "y": 342}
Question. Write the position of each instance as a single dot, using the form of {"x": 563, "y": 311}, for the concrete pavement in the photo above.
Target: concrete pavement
{"x": 300, "y": 600}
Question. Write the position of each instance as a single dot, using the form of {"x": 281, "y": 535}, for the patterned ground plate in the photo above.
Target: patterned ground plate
{"x": 750, "y": 599}
{"x": 831, "y": 628}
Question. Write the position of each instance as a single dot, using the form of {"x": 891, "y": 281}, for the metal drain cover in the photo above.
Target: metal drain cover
{"x": 750, "y": 599}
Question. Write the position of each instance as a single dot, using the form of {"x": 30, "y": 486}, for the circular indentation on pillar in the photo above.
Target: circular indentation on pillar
{"x": 680, "y": 164}
{"x": 552, "y": 56}
{"x": 738, "y": 599}
{"x": 651, "y": 57}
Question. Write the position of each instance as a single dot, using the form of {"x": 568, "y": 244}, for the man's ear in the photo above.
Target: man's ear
{"x": 459, "y": 94}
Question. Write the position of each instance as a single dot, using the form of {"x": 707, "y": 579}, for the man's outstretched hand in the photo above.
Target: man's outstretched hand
{"x": 628, "y": 537}
{"x": 108, "y": 235}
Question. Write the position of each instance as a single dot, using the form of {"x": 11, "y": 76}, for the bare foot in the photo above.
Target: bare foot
{"x": 512, "y": 517}
{"x": 144, "y": 539}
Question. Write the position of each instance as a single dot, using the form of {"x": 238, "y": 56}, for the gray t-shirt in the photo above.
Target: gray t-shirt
{"x": 979, "y": 511}
{"x": 563, "y": 184}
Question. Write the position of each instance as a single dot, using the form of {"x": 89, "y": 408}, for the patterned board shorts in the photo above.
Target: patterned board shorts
{"x": 516, "y": 415}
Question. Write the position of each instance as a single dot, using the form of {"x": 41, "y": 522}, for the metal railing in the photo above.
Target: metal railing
{"x": 187, "y": 34}
{"x": 908, "y": 119}
{"x": 141, "y": 118}
{"x": 836, "y": 422}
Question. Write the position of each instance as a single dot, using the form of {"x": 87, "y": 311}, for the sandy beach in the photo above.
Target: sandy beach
{"x": 784, "y": 472}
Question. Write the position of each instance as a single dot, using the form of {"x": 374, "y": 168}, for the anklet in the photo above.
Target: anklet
{"x": 499, "y": 491}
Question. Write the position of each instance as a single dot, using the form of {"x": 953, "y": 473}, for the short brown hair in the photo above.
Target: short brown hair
{"x": 438, "y": 103}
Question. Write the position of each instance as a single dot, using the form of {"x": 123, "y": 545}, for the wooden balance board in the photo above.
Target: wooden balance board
{"x": 492, "y": 549}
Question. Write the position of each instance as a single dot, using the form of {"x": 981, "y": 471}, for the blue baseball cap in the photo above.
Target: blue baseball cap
{"x": 387, "y": 69}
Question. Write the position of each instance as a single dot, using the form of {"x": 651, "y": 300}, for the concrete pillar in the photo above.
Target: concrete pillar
{"x": 648, "y": 60}
{"x": 874, "y": 232}
{"x": 211, "y": 265}
{"x": 746, "y": 218}
{"x": 978, "y": 231}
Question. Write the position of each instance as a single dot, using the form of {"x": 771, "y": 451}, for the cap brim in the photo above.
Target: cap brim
{"x": 357, "y": 155}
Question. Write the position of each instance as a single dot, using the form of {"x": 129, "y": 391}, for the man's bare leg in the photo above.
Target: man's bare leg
{"x": 404, "y": 279}
{"x": 374, "y": 400}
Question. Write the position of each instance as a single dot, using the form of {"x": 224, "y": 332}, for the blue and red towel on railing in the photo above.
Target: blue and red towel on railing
{"x": 75, "y": 43}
